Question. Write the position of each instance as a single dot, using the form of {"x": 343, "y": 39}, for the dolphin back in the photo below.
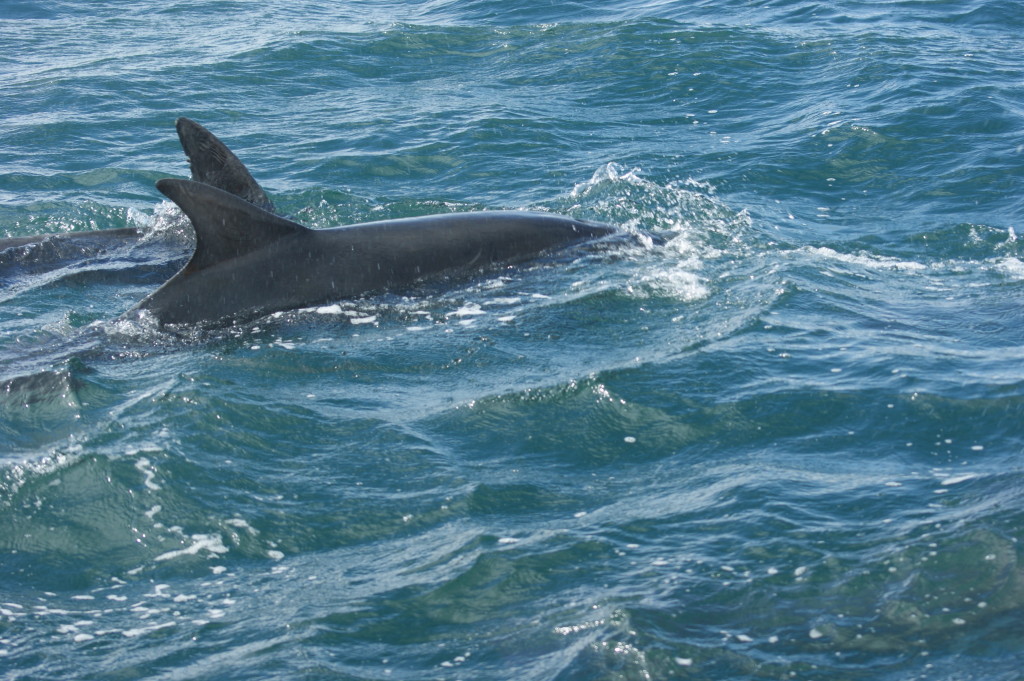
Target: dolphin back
{"x": 249, "y": 262}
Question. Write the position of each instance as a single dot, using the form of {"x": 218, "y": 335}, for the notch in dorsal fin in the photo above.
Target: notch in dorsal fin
{"x": 214, "y": 164}
{"x": 226, "y": 226}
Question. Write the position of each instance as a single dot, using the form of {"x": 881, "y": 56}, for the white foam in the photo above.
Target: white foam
{"x": 145, "y": 468}
{"x": 679, "y": 281}
{"x": 158, "y": 591}
{"x": 879, "y": 262}
{"x": 132, "y": 633}
{"x": 242, "y": 524}
{"x": 1012, "y": 267}
{"x": 957, "y": 479}
{"x": 200, "y": 542}
{"x": 610, "y": 172}
{"x": 468, "y": 310}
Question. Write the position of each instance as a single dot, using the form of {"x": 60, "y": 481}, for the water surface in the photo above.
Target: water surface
{"x": 786, "y": 444}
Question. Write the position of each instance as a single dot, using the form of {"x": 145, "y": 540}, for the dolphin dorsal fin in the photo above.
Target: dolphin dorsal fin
{"x": 214, "y": 164}
{"x": 226, "y": 226}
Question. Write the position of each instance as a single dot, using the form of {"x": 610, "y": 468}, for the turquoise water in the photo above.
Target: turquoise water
{"x": 787, "y": 444}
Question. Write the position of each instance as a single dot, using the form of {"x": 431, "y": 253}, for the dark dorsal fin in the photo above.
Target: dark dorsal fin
{"x": 214, "y": 164}
{"x": 226, "y": 226}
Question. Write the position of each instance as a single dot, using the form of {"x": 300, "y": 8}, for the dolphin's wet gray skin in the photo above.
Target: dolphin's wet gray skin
{"x": 212, "y": 163}
{"x": 249, "y": 262}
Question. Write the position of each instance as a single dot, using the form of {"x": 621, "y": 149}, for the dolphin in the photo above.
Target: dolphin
{"x": 249, "y": 262}
{"x": 210, "y": 162}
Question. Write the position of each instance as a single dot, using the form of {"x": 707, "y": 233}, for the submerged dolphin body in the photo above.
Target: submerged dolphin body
{"x": 249, "y": 262}
{"x": 92, "y": 237}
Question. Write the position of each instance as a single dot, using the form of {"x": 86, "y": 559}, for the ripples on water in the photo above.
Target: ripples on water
{"x": 785, "y": 444}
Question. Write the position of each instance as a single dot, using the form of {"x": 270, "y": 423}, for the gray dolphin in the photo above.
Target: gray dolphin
{"x": 210, "y": 161}
{"x": 249, "y": 262}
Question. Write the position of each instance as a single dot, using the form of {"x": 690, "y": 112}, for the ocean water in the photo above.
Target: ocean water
{"x": 785, "y": 444}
